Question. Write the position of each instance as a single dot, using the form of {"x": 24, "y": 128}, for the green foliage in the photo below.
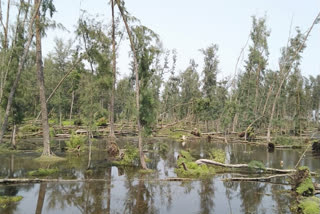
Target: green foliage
{"x": 75, "y": 141}
{"x": 102, "y": 122}
{"x": 310, "y": 205}
{"x": 52, "y": 132}
{"x": 78, "y": 122}
{"x": 306, "y": 188}
{"x": 193, "y": 170}
{"x": 29, "y": 128}
{"x": 218, "y": 155}
{"x": 131, "y": 157}
{"x": 43, "y": 172}
{"x": 283, "y": 140}
{"x": 68, "y": 122}
{"x": 163, "y": 148}
{"x": 254, "y": 165}
{"x": 7, "y": 200}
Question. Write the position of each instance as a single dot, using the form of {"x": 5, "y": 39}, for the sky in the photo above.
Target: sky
{"x": 189, "y": 26}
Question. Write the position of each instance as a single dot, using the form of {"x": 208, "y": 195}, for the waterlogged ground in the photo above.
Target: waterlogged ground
{"x": 125, "y": 190}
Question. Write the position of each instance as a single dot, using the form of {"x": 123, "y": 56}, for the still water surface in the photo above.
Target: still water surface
{"x": 125, "y": 190}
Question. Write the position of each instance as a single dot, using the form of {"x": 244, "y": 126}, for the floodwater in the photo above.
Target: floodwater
{"x": 125, "y": 190}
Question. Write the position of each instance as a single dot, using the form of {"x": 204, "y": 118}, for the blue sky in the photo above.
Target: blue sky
{"x": 188, "y": 26}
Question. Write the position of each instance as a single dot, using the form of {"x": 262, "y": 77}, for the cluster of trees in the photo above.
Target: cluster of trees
{"x": 77, "y": 80}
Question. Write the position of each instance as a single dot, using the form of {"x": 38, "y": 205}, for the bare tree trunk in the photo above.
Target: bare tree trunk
{"x": 142, "y": 160}
{"x": 22, "y": 60}
{"x": 71, "y": 107}
{"x": 285, "y": 75}
{"x": 45, "y": 124}
{"x": 114, "y": 65}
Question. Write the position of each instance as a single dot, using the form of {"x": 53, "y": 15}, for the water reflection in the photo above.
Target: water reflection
{"x": 124, "y": 190}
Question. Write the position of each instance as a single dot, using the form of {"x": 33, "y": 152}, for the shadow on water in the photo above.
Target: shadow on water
{"x": 125, "y": 190}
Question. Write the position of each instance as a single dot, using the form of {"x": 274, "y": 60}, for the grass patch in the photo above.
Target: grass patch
{"x": 7, "y": 200}
{"x": 176, "y": 135}
{"x": 102, "y": 122}
{"x": 309, "y": 205}
{"x": 146, "y": 171}
{"x": 217, "y": 155}
{"x": 75, "y": 141}
{"x": 43, "y": 172}
{"x": 286, "y": 141}
{"x": 29, "y": 128}
{"x": 306, "y": 188}
{"x": 193, "y": 170}
{"x": 50, "y": 159}
{"x": 256, "y": 165}
{"x": 130, "y": 157}
{"x": 67, "y": 123}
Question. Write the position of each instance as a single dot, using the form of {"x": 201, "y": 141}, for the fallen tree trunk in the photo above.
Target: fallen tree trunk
{"x": 268, "y": 178}
{"x": 245, "y": 166}
{"x": 45, "y": 180}
{"x": 40, "y": 180}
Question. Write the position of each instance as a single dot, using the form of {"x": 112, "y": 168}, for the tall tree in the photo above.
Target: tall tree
{"x": 210, "y": 70}
{"x": 114, "y": 65}
{"x": 40, "y": 75}
{"x": 136, "y": 71}
{"x": 22, "y": 61}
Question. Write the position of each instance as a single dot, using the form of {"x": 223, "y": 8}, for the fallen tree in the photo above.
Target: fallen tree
{"x": 46, "y": 180}
{"x": 244, "y": 166}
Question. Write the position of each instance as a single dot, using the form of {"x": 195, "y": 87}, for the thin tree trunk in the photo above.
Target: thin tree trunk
{"x": 114, "y": 65}
{"x": 285, "y": 75}
{"x": 13, "y": 139}
{"x": 6, "y": 26}
{"x": 14, "y": 86}
{"x": 19, "y": 25}
{"x": 45, "y": 124}
{"x": 142, "y": 160}
{"x": 71, "y": 107}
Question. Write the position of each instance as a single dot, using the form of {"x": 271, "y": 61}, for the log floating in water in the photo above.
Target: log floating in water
{"x": 38, "y": 180}
{"x": 245, "y": 166}
{"x": 268, "y": 178}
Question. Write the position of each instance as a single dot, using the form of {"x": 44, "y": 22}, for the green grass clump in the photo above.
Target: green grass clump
{"x": 217, "y": 155}
{"x": 306, "y": 188}
{"x": 43, "y": 172}
{"x": 146, "y": 171}
{"x": 130, "y": 157}
{"x": 193, "y": 170}
{"x": 67, "y": 122}
{"x": 309, "y": 205}
{"x": 102, "y": 122}
{"x": 254, "y": 165}
{"x": 7, "y": 200}
{"x": 49, "y": 159}
{"x": 75, "y": 141}
{"x": 29, "y": 128}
